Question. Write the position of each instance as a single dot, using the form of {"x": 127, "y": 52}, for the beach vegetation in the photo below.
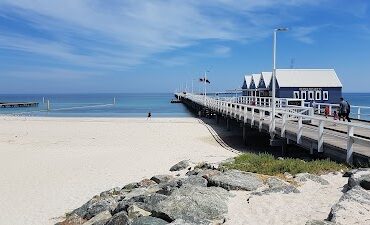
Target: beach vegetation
{"x": 264, "y": 163}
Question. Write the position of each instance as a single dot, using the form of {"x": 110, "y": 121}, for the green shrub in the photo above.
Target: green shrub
{"x": 267, "y": 164}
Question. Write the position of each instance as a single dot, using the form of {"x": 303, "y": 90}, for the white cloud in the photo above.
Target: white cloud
{"x": 115, "y": 34}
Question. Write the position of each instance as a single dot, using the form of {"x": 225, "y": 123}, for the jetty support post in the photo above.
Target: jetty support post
{"x": 114, "y": 100}
{"x": 48, "y": 105}
{"x": 244, "y": 134}
{"x": 228, "y": 123}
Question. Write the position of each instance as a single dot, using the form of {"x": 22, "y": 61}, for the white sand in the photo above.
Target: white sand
{"x": 313, "y": 203}
{"x": 52, "y": 165}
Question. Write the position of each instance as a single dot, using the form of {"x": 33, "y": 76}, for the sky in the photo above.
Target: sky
{"x": 93, "y": 46}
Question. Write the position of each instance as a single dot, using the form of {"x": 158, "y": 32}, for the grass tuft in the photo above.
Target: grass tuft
{"x": 267, "y": 164}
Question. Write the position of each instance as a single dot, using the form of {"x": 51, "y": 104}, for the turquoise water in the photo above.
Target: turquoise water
{"x": 127, "y": 105}
{"x": 97, "y": 105}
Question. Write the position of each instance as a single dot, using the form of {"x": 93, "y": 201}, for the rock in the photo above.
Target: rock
{"x": 148, "y": 220}
{"x": 277, "y": 185}
{"x": 112, "y": 192}
{"x": 135, "y": 211}
{"x": 95, "y": 206}
{"x": 353, "y": 171}
{"x": 72, "y": 219}
{"x": 194, "y": 180}
{"x": 319, "y": 222}
{"x": 146, "y": 183}
{"x": 236, "y": 180}
{"x": 302, "y": 177}
{"x": 193, "y": 172}
{"x": 146, "y": 202}
{"x": 182, "y": 222}
{"x": 167, "y": 188}
{"x": 162, "y": 178}
{"x": 131, "y": 186}
{"x": 288, "y": 175}
{"x": 206, "y": 165}
{"x": 207, "y": 173}
{"x": 184, "y": 164}
{"x": 352, "y": 208}
{"x": 194, "y": 204}
{"x": 101, "y": 218}
{"x": 359, "y": 177}
{"x": 118, "y": 219}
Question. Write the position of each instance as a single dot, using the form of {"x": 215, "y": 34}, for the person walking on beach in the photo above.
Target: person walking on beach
{"x": 149, "y": 115}
{"x": 344, "y": 110}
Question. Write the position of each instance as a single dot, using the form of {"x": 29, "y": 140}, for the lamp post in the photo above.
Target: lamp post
{"x": 273, "y": 110}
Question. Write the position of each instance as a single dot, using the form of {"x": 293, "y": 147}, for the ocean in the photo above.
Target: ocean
{"x": 97, "y": 105}
{"x": 127, "y": 105}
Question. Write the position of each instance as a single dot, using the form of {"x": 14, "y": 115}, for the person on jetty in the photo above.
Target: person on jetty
{"x": 344, "y": 110}
{"x": 327, "y": 111}
{"x": 149, "y": 116}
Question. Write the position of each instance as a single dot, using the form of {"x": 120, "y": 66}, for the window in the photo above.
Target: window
{"x": 295, "y": 94}
{"x": 303, "y": 95}
{"x": 318, "y": 95}
{"x": 310, "y": 95}
{"x": 325, "y": 95}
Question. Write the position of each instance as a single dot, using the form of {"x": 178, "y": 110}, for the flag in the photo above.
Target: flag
{"x": 202, "y": 80}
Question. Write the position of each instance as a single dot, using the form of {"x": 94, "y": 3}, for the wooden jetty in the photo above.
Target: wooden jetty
{"x": 297, "y": 125}
{"x": 18, "y": 104}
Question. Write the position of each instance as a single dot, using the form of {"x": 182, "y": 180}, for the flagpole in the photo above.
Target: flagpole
{"x": 205, "y": 87}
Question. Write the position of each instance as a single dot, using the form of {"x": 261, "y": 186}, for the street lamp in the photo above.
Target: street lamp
{"x": 272, "y": 131}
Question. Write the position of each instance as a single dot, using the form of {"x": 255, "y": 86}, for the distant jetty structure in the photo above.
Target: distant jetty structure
{"x": 301, "y": 96}
{"x": 18, "y": 104}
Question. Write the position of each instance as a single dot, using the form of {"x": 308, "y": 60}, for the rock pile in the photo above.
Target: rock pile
{"x": 200, "y": 196}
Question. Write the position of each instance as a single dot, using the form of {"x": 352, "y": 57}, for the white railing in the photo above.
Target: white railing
{"x": 242, "y": 110}
{"x": 356, "y": 111}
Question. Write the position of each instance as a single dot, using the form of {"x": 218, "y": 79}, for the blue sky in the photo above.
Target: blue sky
{"x": 65, "y": 46}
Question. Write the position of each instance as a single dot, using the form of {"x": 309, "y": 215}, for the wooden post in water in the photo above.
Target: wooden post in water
{"x": 114, "y": 100}
{"x": 43, "y": 100}
{"x": 48, "y": 105}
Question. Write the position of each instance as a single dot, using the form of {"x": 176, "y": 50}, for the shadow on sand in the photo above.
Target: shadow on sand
{"x": 256, "y": 142}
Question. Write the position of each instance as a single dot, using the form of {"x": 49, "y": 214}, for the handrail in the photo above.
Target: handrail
{"x": 238, "y": 110}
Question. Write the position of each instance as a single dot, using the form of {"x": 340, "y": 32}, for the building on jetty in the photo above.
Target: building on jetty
{"x": 311, "y": 85}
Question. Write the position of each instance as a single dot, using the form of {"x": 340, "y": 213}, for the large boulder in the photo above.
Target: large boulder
{"x": 303, "y": 177}
{"x": 194, "y": 180}
{"x": 135, "y": 211}
{"x": 101, "y": 219}
{"x": 194, "y": 204}
{"x": 148, "y": 220}
{"x": 236, "y": 180}
{"x": 95, "y": 206}
{"x": 353, "y": 207}
{"x": 119, "y": 219}
{"x": 184, "y": 164}
{"x": 359, "y": 177}
{"x": 162, "y": 178}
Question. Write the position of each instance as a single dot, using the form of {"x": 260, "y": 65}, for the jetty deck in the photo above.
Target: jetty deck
{"x": 18, "y": 104}
{"x": 293, "y": 125}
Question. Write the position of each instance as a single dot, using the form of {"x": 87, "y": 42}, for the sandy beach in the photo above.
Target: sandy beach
{"x": 53, "y": 165}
